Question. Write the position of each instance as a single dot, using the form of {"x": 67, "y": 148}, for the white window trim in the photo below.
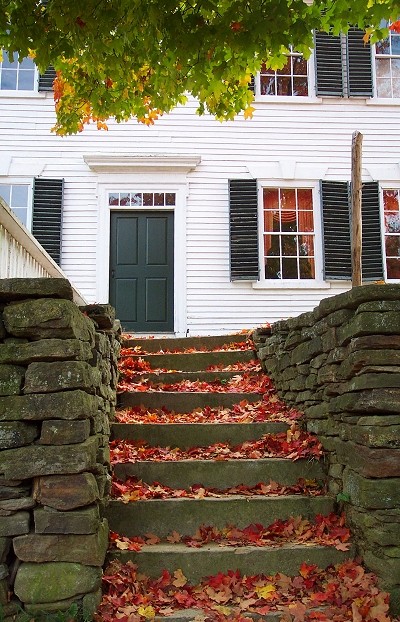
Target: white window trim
{"x": 318, "y": 282}
{"x": 375, "y": 100}
{"x": 127, "y": 183}
{"x": 25, "y": 93}
{"x": 22, "y": 181}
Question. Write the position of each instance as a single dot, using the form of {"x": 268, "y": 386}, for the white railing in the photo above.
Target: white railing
{"x": 21, "y": 255}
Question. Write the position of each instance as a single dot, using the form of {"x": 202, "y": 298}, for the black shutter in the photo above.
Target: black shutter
{"x": 328, "y": 65}
{"x": 372, "y": 258}
{"x": 47, "y": 214}
{"x": 336, "y": 230}
{"x": 359, "y": 57}
{"x": 243, "y": 229}
{"x": 252, "y": 84}
{"x": 46, "y": 79}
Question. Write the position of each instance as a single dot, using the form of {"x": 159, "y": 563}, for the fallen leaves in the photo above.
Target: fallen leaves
{"x": 350, "y": 595}
{"x": 327, "y": 530}
{"x": 271, "y": 408}
{"x": 133, "y": 489}
{"x": 292, "y": 445}
{"x": 232, "y": 345}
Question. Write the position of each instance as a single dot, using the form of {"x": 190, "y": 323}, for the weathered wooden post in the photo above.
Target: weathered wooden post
{"x": 356, "y": 196}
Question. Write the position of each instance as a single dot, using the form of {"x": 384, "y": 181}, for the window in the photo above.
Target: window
{"x": 16, "y": 75}
{"x": 17, "y": 198}
{"x": 387, "y": 65}
{"x": 288, "y": 237}
{"x": 391, "y": 218}
{"x": 141, "y": 199}
{"x": 291, "y": 80}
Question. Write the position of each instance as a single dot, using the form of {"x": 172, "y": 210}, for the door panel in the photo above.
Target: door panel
{"x": 141, "y": 270}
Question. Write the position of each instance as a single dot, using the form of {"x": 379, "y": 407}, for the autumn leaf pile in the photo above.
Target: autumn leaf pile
{"x": 233, "y": 345}
{"x": 241, "y": 383}
{"x": 344, "y": 593}
{"x": 134, "y": 489}
{"x": 293, "y": 444}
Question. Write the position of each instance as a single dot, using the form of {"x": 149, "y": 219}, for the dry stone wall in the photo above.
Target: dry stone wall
{"x": 58, "y": 376}
{"x": 340, "y": 365}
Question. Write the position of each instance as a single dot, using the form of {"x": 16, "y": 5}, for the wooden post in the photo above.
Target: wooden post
{"x": 356, "y": 195}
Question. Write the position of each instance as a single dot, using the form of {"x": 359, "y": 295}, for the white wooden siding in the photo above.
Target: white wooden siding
{"x": 312, "y": 136}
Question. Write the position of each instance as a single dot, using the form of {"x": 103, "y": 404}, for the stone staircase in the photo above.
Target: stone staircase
{"x": 186, "y": 515}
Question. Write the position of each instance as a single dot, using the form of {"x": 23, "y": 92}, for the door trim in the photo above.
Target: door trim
{"x": 136, "y": 182}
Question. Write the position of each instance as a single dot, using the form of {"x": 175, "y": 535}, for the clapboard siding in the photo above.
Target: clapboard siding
{"x": 311, "y": 133}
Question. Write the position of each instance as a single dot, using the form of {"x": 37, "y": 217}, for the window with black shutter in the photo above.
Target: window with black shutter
{"x": 343, "y": 65}
{"x": 46, "y": 79}
{"x": 243, "y": 229}
{"x": 335, "y": 197}
{"x": 47, "y": 214}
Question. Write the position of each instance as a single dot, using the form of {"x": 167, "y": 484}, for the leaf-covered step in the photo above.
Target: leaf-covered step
{"x": 184, "y": 402}
{"x": 163, "y": 516}
{"x": 190, "y": 434}
{"x": 221, "y": 474}
{"x": 192, "y": 361}
{"x": 342, "y": 593}
{"x": 174, "y": 377}
{"x": 212, "y": 558}
{"x": 205, "y": 343}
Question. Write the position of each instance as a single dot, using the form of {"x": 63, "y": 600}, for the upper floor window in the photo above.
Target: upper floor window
{"x": 17, "y": 75}
{"x": 17, "y": 197}
{"x": 291, "y": 80}
{"x": 288, "y": 238}
{"x": 387, "y": 65}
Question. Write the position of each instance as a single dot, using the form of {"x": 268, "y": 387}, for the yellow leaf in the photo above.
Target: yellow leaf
{"x": 266, "y": 591}
{"x": 248, "y": 113}
{"x": 121, "y": 545}
{"x": 147, "y": 612}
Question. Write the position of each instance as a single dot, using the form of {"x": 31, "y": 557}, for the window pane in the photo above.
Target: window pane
{"x": 147, "y": 198}
{"x": 283, "y": 86}
{"x": 170, "y": 198}
{"x": 272, "y": 268}
{"x": 21, "y": 214}
{"x": 136, "y": 198}
{"x": 383, "y": 47}
{"x": 267, "y": 84}
{"x": 307, "y": 268}
{"x": 393, "y": 268}
{"x": 8, "y": 80}
{"x": 113, "y": 199}
{"x": 271, "y": 198}
{"x": 10, "y": 61}
{"x": 383, "y": 67}
{"x": 391, "y": 200}
{"x": 288, "y": 199}
{"x": 124, "y": 199}
{"x": 286, "y": 69}
{"x": 19, "y": 196}
{"x": 304, "y": 198}
{"x": 300, "y": 87}
{"x": 384, "y": 87}
{"x": 396, "y": 67}
{"x": 392, "y": 222}
{"x": 299, "y": 65}
{"x": 392, "y": 246}
{"x": 26, "y": 80}
{"x": 289, "y": 268}
{"x": 27, "y": 63}
{"x": 5, "y": 193}
{"x": 395, "y": 40}
{"x": 396, "y": 87}
{"x": 289, "y": 245}
{"x": 306, "y": 245}
{"x": 158, "y": 198}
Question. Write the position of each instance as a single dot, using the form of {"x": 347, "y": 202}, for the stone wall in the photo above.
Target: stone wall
{"x": 58, "y": 375}
{"x": 340, "y": 365}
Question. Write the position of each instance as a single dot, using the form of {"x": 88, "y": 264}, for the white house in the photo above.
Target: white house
{"x": 194, "y": 226}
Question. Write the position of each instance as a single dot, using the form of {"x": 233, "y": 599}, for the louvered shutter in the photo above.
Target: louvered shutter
{"x": 359, "y": 59}
{"x": 336, "y": 230}
{"x": 328, "y": 64}
{"x": 243, "y": 229}
{"x": 372, "y": 257}
{"x": 252, "y": 84}
{"x": 47, "y": 214}
{"x": 46, "y": 79}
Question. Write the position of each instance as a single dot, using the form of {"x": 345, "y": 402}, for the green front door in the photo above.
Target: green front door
{"x": 142, "y": 270}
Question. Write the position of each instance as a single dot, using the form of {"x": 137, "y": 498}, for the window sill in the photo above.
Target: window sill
{"x": 383, "y": 101}
{"x": 306, "y": 284}
{"x": 22, "y": 94}
{"x": 277, "y": 99}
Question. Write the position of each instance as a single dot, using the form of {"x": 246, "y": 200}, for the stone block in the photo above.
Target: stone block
{"x": 68, "y": 405}
{"x": 5, "y": 544}
{"x": 62, "y": 432}
{"x": 14, "y": 525}
{"x": 307, "y": 351}
{"x": 59, "y": 376}
{"x": 14, "y": 492}
{"x": 102, "y": 314}
{"x": 81, "y": 521}
{"x": 368, "y": 323}
{"x": 66, "y": 492}
{"x": 21, "y": 288}
{"x": 356, "y": 297}
{"x": 89, "y": 550}
{"x": 36, "y": 460}
{"x": 90, "y": 604}
{"x": 374, "y": 342}
{"x": 384, "y": 400}
{"x": 48, "y": 319}
{"x": 370, "y": 462}
{"x": 17, "y": 434}
{"x": 371, "y": 493}
{"x": 55, "y": 581}
{"x": 3, "y": 332}
{"x": 379, "y": 306}
{"x": 11, "y": 379}
{"x": 45, "y": 350}
{"x": 387, "y": 569}
{"x": 14, "y": 505}
{"x": 373, "y": 436}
